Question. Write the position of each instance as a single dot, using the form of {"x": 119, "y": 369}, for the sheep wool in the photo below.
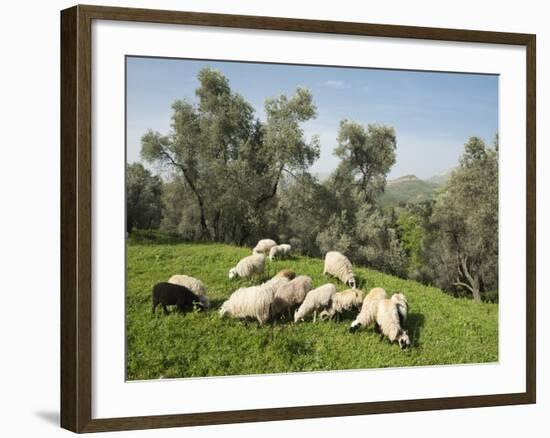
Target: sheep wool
{"x": 280, "y": 251}
{"x": 288, "y": 273}
{"x": 194, "y": 285}
{"x": 264, "y": 246}
{"x": 388, "y": 321}
{"x": 169, "y": 294}
{"x": 275, "y": 283}
{"x": 344, "y": 301}
{"x": 248, "y": 266}
{"x": 367, "y": 315}
{"x": 339, "y": 266}
{"x": 290, "y": 295}
{"x": 253, "y": 302}
{"x": 402, "y": 306}
{"x": 248, "y": 302}
{"x": 316, "y": 299}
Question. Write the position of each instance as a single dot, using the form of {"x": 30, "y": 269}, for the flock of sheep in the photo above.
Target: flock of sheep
{"x": 293, "y": 297}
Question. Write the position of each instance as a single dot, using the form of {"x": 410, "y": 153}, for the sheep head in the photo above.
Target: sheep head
{"x": 404, "y": 340}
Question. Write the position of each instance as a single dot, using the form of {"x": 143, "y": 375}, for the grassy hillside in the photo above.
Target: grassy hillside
{"x": 443, "y": 330}
{"x": 408, "y": 189}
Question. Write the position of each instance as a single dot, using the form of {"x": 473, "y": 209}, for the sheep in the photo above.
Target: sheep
{"x": 248, "y": 266}
{"x": 316, "y": 299}
{"x": 264, "y": 246}
{"x": 388, "y": 322}
{"x": 280, "y": 251}
{"x": 367, "y": 315}
{"x": 286, "y": 273}
{"x": 248, "y": 302}
{"x": 275, "y": 283}
{"x": 339, "y": 266}
{"x": 290, "y": 295}
{"x": 343, "y": 302}
{"x": 402, "y": 306}
{"x": 194, "y": 285}
{"x": 168, "y": 294}
{"x": 253, "y": 302}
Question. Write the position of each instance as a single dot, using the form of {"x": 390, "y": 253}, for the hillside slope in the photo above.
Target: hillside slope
{"x": 444, "y": 330}
{"x": 409, "y": 189}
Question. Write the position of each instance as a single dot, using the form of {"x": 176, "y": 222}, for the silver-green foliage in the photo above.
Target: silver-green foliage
{"x": 464, "y": 242}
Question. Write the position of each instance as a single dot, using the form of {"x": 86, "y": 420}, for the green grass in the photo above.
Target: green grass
{"x": 443, "y": 329}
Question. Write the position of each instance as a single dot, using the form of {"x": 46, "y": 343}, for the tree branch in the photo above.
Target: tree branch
{"x": 467, "y": 286}
{"x": 204, "y": 227}
{"x": 271, "y": 194}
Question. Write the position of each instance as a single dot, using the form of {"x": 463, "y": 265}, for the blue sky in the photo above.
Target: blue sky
{"x": 433, "y": 113}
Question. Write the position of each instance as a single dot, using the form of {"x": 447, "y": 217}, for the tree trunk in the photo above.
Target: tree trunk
{"x": 473, "y": 279}
{"x": 475, "y": 289}
{"x": 216, "y": 225}
{"x": 204, "y": 227}
{"x": 273, "y": 191}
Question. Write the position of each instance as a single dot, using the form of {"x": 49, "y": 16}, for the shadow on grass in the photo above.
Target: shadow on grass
{"x": 362, "y": 282}
{"x": 414, "y": 325}
{"x": 215, "y": 305}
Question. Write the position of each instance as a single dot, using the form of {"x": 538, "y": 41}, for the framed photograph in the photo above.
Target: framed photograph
{"x": 270, "y": 218}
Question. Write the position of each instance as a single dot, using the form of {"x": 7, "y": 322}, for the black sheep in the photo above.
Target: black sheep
{"x": 168, "y": 294}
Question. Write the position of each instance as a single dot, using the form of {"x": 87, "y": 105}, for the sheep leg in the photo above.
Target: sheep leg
{"x": 314, "y": 315}
{"x": 165, "y": 309}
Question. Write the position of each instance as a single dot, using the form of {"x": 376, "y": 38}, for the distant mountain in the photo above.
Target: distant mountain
{"x": 408, "y": 189}
{"x": 442, "y": 177}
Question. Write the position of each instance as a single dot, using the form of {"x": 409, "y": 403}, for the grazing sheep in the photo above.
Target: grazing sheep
{"x": 253, "y": 302}
{"x": 402, "y": 306}
{"x": 264, "y": 246}
{"x": 168, "y": 294}
{"x": 316, "y": 299}
{"x": 388, "y": 322}
{"x": 290, "y": 295}
{"x": 339, "y": 266}
{"x": 248, "y": 266}
{"x": 194, "y": 285}
{"x": 286, "y": 273}
{"x": 275, "y": 283}
{"x": 280, "y": 251}
{"x": 343, "y": 302}
{"x": 248, "y": 302}
{"x": 367, "y": 315}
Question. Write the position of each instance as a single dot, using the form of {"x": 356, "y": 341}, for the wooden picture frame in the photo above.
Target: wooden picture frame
{"x": 76, "y": 217}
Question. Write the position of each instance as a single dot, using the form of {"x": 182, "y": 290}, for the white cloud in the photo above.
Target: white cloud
{"x": 337, "y": 84}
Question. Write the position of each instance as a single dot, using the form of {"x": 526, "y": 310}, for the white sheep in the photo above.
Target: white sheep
{"x": 402, "y": 306}
{"x": 290, "y": 295}
{"x": 275, "y": 283}
{"x": 288, "y": 273}
{"x": 388, "y": 322}
{"x": 316, "y": 299}
{"x": 339, "y": 266}
{"x": 248, "y": 302}
{"x": 248, "y": 266}
{"x": 367, "y": 315}
{"x": 280, "y": 251}
{"x": 264, "y": 246}
{"x": 194, "y": 285}
{"x": 342, "y": 302}
{"x": 253, "y": 302}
